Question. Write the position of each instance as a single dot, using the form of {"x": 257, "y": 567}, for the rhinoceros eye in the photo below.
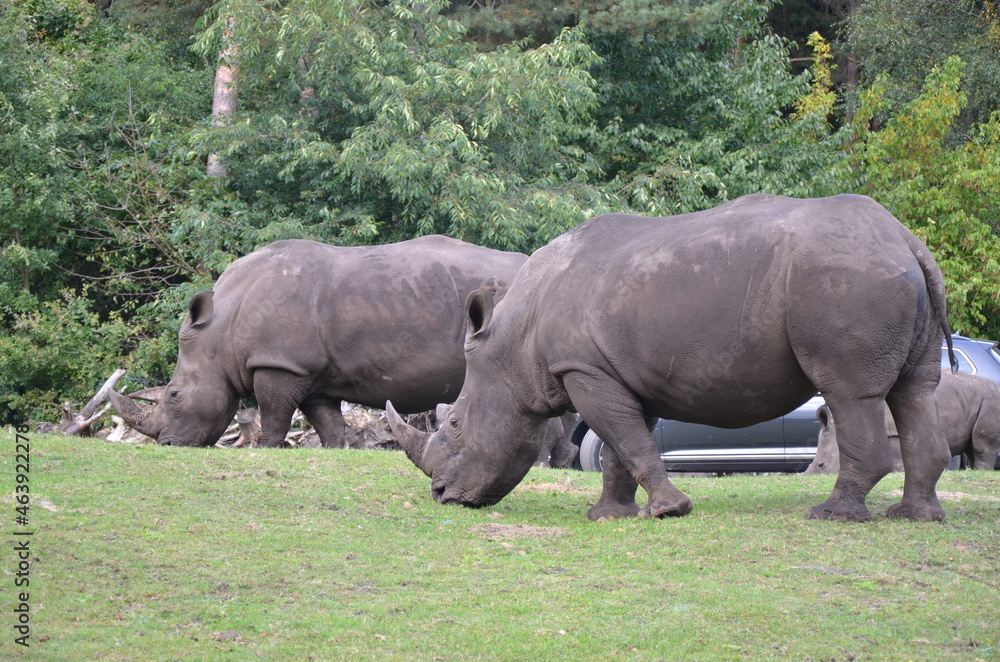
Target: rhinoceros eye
{"x": 453, "y": 422}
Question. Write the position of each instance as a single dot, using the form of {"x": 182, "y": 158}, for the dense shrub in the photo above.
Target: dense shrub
{"x": 61, "y": 351}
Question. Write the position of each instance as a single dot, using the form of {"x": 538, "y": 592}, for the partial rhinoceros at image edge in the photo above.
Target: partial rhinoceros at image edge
{"x": 969, "y": 414}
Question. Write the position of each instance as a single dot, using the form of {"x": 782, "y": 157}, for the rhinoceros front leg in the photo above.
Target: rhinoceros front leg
{"x": 629, "y": 456}
{"x": 278, "y": 394}
{"x": 324, "y": 414}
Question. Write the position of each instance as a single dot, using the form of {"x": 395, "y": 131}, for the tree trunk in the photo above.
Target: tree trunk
{"x": 25, "y": 272}
{"x": 224, "y": 98}
{"x": 102, "y": 6}
{"x": 307, "y": 97}
{"x": 851, "y": 82}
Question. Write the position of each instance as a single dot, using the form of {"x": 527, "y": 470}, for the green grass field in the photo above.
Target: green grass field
{"x": 158, "y": 553}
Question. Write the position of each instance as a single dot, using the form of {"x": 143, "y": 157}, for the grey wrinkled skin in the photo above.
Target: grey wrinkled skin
{"x": 305, "y": 325}
{"x": 969, "y": 414}
{"x": 728, "y": 317}
{"x": 557, "y": 450}
{"x": 827, "y": 460}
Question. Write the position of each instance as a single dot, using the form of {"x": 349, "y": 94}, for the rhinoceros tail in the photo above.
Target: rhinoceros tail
{"x": 935, "y": 288}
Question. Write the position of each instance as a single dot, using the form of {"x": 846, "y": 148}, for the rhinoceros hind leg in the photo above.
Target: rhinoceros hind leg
{"x": 324, "y": 414}
{"x": 842, "y": 509}
{"x": 864, "y": 452}
{"x": 922, "y": 443}
{"x": 926, "y": 510}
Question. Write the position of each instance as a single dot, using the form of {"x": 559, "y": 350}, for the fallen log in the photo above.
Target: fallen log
{"x": 365, "y": 428}
{"x": 79, "y": 424}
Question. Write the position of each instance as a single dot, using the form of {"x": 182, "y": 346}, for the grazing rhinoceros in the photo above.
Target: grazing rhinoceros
{"x": 302, "y": 324}
{"x": 968, "y": 411}
{"x": 729, "y": 317}
{"x": 556, "y": 450}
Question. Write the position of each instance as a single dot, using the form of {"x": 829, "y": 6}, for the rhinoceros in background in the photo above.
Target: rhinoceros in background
{"x": 558, "y": 450}
{"x": 728, "y": 317}
{"x": 827, "y": 460}
{"x": 305, "y": 325}
{"x": 968, "y": 411}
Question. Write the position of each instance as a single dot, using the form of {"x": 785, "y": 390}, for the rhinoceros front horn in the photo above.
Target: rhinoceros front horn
{"x": 139, "y": 417}
{"x": 413, "y": 441}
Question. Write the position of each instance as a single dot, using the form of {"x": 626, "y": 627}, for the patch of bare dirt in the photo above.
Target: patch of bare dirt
{"x": 512, "y": 531}
{"x": 955, "y": 496}
{"x": 534, "y": 486}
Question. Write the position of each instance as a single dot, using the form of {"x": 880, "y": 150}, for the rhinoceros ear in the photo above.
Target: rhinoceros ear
{"x": 823, "y": 416}
{"x": 478, "y": 312}
{"x": 201, "y": 308}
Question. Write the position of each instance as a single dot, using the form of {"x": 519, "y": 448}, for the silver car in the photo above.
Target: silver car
{"x": 785, "y": 444}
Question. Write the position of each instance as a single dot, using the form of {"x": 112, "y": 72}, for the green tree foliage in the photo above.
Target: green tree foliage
{"x": 33, "y": 178}
{"x": 501, "y": 123}
{"x": 495, "y": 23}
{"x": 61, "y": 351}
{"x": 133, "y": 109}
{"x": 361, "y": 120}
{"x": 76, "y": 94}
{"x": 498, "y": 22}
{"x": 171, "y": 22}
{"x": 947, "y": 194}
{"x": 904, "y": 39}
{"x": 706, "y": 116}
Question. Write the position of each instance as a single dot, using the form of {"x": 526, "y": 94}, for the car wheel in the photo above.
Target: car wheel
{"x": 590, "y": 452}
{"x": 963, "y": 461}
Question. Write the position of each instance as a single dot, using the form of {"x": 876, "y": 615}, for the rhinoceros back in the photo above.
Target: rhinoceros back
{"x": 367, "y": 323}
{"x": 699, "y": 309}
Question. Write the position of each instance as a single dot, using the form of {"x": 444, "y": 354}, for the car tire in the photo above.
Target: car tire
{"x": 960, "y": 462}
{"x": 590, "y": 452}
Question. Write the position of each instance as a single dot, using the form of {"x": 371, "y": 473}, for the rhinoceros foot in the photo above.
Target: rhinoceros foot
{"x": 605, "y": 511}
{"x": 844, "y": 510}
{"x": 674, "y": 504}
{"x": 918, "y": 511}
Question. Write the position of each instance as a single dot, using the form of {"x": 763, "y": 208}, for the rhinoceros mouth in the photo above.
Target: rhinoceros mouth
{"x": 444, "y": 494}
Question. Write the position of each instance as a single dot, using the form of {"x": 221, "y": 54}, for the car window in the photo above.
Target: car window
{"x": 964, "y": 364}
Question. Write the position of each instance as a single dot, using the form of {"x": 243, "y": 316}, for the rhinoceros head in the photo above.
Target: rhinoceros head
{"x": 487, "y": 441}
{"x": 198, "y": 404}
